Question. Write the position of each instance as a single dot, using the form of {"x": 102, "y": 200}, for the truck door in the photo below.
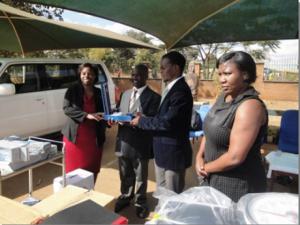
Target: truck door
{"x": 24, "y": 113}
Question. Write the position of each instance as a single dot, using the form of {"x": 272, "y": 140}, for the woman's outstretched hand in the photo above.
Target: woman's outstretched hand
{"x": 94, "y": 116}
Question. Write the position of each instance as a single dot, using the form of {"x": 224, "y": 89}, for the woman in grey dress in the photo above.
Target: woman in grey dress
{"x": 229, "y": 156}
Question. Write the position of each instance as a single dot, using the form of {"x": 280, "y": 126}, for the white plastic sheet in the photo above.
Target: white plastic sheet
{"x": 197, "y": 205}
{"x": 268, "y": 208}
{"x": 206, "y": 205}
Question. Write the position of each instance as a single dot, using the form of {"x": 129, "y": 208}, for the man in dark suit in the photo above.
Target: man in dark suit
{"x": 133, "y": 145}
{"x": 171, "y": 145}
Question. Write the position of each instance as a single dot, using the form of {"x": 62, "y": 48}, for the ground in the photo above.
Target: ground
{"x": 107, "y": 181}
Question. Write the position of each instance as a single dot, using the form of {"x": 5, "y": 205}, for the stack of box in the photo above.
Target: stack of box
{"x": 16, "y": 154}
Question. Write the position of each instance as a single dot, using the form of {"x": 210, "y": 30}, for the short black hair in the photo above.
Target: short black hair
{"x": 142, "y": 68}
{"x": 244, "y": 62}
{"x": 176, "y": 58}
{"x": 92, "y": 67}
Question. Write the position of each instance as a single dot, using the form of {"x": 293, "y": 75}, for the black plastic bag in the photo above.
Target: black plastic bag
{"x": 196, "y": 122}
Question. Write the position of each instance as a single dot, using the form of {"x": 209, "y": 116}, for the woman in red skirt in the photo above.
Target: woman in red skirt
{"x": 84, "y": 132}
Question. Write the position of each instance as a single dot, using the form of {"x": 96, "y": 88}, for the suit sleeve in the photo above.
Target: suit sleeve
{"x": 71, "y": 109}
{"x": 167, "y": 121}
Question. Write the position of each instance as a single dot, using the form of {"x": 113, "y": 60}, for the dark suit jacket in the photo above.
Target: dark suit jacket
{"x": 133, "y": 142}
{"x": 73, "y": 108}
{"x": 171, "y": 145}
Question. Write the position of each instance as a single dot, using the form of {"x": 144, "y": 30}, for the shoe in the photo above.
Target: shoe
{"x": 121, "y": 204}
{"x": 142, "y": 212}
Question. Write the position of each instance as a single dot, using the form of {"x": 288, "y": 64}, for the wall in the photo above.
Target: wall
{"x": 284, "y": 91}
{"x": 281, "y": 91}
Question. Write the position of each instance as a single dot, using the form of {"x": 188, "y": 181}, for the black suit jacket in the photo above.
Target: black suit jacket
{"x": 133, "y": 142}
{"x": 171, "y": 145}
{"x": 73, "y": 108}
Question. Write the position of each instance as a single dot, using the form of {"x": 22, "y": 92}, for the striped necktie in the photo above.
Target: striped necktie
{"x": 133, "y": 99}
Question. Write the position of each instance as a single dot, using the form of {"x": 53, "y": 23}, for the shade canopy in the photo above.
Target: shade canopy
{"x": 24, "y": 32}
{"x": 183, "y": 23}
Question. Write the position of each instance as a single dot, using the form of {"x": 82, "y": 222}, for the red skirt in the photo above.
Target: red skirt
{"x": 85, "y": 153}
{"x": 82, "y": 155}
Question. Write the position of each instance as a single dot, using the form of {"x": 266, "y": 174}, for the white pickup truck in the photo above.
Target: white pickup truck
{"x": 32, "y": 92}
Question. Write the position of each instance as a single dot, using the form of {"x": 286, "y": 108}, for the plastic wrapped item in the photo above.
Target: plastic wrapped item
{"x": 206, "y": 205}
{"x": 53, "y": 150}
{"x": 38, "y": 147}
{"x": 13, "y": 150}
{"x": 197, "y": 205}
{"x": 16, "y": 153}
{"x": 268, "y": 208}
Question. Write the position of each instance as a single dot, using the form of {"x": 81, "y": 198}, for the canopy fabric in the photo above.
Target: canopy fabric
{"x": 24, "y": 32}
{"x": 249, "y": 20}
{"x": 167, "y": 20}
{"x": 183, "y": 23}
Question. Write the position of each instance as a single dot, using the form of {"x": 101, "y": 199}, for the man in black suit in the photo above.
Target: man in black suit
{"x": 133, "y": 145}
{"x": 171, "y": 145}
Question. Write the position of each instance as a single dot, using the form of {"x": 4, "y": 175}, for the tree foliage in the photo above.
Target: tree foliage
{"x": 122, "y": 60}
{"x": 39, "y": 10}
{"x": 207, "y": 54}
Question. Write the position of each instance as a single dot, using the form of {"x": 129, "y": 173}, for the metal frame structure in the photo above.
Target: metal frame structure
{"x": 30, "y": 168}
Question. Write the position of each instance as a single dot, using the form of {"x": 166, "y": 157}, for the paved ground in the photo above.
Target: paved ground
{"x": 107, "y": 181}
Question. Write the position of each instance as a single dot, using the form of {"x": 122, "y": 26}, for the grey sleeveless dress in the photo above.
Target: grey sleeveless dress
{"x": 249, "y": 177}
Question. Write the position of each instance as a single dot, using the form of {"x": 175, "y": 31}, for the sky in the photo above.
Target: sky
{"x": 288, "y": 48}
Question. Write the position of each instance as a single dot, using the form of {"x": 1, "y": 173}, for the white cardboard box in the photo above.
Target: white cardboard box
{"x": 78, "y": 177}
{"x": 10, "y": 154}
{"x": 13, "y": 150}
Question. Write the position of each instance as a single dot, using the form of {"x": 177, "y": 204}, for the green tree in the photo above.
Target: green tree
{"x": 39, "y": 10}
{"x": 66, "y": 54}
{"x": 97, "y": 53}
{"x": 150, "y": 57}
{"x": 208, "y": 53}
{"x": 121, "y": 60}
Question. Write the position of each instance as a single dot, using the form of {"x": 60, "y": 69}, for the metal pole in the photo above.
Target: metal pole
{"x": 16, "y": 32}
{"x": 63, "y": 155}
{"x": 63, "y": 166}
{"x": 0, "y": 183}
{"x": 30, "y": 181}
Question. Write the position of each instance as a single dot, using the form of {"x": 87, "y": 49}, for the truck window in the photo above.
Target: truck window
{"x": 44, "y": 78}
{"x": 61, "y": 75}
{"x": 101, "y": 75}
{"x": 25, "y": 77}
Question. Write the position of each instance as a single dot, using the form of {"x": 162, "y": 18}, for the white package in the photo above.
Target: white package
{"x": 10, "y": 154}
{"x": 13, "y": 150}
{"x": 32, "y": 153}
{"x": 78, "y": 177}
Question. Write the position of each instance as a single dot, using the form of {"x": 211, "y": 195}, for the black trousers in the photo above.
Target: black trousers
{"x": 133, "y": 176}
